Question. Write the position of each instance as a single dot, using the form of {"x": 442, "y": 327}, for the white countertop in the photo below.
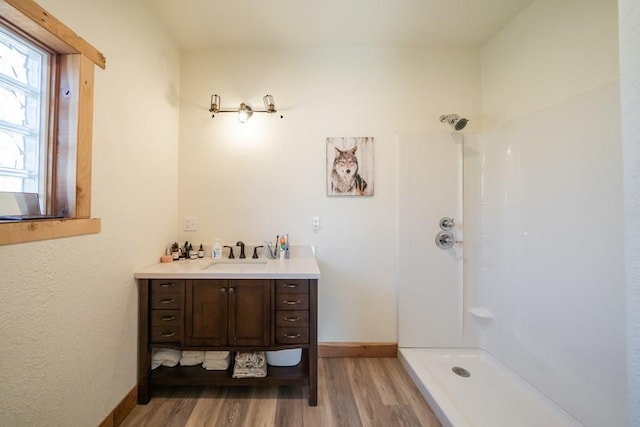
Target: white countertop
{"x": 301, "y": 265}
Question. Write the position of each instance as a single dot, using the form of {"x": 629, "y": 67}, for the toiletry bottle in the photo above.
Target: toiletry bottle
{"x": 216, "y": 251}
{"x": 201, "y": 251}
{"x": 287, "y": 253}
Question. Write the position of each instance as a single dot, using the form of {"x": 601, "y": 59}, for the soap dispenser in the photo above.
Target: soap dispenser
{"x": 216, "y": 251}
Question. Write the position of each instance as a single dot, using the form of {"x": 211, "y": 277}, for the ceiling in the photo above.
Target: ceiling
{"x": 204, "y": 24}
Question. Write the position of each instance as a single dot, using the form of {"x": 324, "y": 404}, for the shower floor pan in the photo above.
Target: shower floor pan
{"x": 468, "y": 387}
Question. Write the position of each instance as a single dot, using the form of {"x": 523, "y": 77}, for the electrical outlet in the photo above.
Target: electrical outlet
{"x": 315, "y": 223}
{"x": 190, "y": 223}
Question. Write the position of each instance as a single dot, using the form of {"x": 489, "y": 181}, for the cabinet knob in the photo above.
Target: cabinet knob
{"x": 168, "y": 334}
{"x": 168, "y": 318}
{"x": 291, "y": 302}
{"x": 290, "y": 285}
{"x": 291, "y": 319}
{"x": 167, "y": 301}
{"x": 231, "y": 290}
{"x": 223, "y": 290}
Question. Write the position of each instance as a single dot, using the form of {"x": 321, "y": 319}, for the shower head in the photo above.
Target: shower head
{"x": 454, "y": 120}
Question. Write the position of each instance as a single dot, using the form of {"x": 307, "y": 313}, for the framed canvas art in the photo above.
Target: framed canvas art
{"x": 350, "y": 166}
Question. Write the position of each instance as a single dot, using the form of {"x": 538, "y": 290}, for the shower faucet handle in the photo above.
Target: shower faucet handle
{"x": 446, "y": 239}
{"x": 447, "y": 223}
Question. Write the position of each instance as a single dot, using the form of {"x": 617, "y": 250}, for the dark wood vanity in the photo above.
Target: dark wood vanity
{"x": 182, "y": 306}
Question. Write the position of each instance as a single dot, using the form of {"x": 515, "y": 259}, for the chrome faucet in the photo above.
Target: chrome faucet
{"x": 241, "y": 244}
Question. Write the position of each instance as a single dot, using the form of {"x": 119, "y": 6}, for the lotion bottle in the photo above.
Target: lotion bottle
{"x": 216, "y": 250}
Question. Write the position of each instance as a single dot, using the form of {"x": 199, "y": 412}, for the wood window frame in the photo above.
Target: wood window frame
{"x": 72, "y": 124}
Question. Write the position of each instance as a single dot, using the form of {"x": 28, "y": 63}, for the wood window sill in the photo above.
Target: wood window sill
{"x": 30, "y": 231}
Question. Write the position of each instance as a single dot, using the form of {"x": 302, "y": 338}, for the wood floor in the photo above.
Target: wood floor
{"x": 351, "y": 392}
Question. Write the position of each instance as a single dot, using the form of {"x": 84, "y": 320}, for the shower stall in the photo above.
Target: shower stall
{"x": 514, "y": 315}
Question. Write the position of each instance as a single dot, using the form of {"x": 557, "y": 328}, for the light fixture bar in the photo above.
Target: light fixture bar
{"x": 245, "y": 110}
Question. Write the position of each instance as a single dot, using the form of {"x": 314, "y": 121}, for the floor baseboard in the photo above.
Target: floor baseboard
{"x": 122, "y": 409}
{"x": 357, "y": 349}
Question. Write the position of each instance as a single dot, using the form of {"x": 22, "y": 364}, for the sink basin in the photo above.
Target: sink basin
{"x": 236, "y": 265}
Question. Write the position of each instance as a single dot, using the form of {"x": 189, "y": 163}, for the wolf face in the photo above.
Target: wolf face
{"x": 344, "y": 175}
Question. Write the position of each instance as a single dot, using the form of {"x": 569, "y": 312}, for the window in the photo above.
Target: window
{"x": 24, "y": 108}
{"x": 61, "y": 172}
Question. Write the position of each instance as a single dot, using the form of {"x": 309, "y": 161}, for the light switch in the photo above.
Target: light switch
{"x": 190, "y": 223}
{"x": 315, "y": 224}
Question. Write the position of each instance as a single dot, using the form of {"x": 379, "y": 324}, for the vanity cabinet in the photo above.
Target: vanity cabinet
{"x": 227, "y": 314}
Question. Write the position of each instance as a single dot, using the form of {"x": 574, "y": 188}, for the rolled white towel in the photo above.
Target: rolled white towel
{"x": 166, "y": 356}
{"x": 191, "y": 358}
{"x": 216, "y": 355}
{"x": 216, "y": 364}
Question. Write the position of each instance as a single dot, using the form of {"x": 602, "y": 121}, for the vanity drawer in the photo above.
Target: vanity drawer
{"x": 167, "y": 301}
{"x": 292, "y": 335}
{"x": 292, "y": 319}
{"x": 292, "y": 302}
{"x": 168, "y": 285}
{"x": 292, "y": 286}
{"x": 166, "y": 317}
{"x": 166, "y": 334}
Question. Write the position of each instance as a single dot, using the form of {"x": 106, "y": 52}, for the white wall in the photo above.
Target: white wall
{"x": 550, "y": 234}
{"x": 250, "y": 182}
{"x": 629, "y": 22}
{"x": 69, "y": 306}
{"x": 549, "y": 53}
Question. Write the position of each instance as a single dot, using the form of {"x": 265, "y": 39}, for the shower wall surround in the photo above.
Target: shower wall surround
{"x": 629, "y": 22}
{"x": 543, "y": 207}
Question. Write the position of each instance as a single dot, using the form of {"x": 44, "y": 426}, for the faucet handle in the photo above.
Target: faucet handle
{"x": 231, "y": 255}
{"x": 255, "y": 251}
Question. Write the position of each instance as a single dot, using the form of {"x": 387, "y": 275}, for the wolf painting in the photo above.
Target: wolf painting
{"x": 349, "y": 166}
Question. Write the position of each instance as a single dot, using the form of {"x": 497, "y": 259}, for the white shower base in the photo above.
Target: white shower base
{"x": 491, "y": 396}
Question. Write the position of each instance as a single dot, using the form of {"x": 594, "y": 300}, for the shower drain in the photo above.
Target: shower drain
{"x": 461, "y": 371}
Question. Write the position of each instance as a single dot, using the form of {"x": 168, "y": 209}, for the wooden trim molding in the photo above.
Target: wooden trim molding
{"x": 357, "y": 349}
{"x": 31, "y": 231}
{"x": 33, "y": 19}
{"x": 122, "y": 409}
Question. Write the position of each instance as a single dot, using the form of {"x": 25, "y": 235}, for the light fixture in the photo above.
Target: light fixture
{"x": 244, "y": 111}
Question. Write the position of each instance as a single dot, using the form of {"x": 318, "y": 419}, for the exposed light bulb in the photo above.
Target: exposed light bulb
{"x": 244, "y": 113}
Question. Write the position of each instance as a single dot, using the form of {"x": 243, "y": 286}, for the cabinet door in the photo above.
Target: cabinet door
{"x": 249, "y": 312}
{"x": 207, "y": 313}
